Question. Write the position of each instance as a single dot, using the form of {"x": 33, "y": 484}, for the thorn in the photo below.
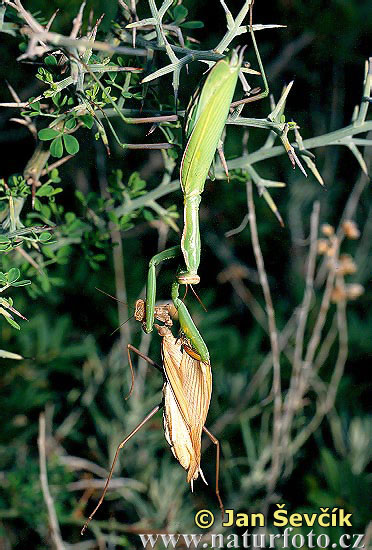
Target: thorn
{"x": 280, "y": 219}
{"x": 152, "y": 129}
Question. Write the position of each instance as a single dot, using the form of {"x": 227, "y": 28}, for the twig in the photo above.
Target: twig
{"x": 294, "y": 394}
{"x": 276, "y": 389}
{"x": 53, "y": 520}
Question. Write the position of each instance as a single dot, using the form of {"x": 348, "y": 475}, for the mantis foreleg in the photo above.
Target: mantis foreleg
{"x": 187, "y": 324}
{"x": 151, "y": 283}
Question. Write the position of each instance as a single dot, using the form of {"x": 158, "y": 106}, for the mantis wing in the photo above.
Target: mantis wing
{"x": 208, "y": 120}
{"x": 187, "y": 395}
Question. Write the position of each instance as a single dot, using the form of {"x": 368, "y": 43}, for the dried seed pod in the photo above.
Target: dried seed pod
{"x": 354, "y": 291}
{"x": 322, "y": 246}
{"x": 327, "y": 229}
{"x": 347, "y": 266}
{"x": 350, "y": 229}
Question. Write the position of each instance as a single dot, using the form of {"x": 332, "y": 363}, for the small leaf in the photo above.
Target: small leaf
{"x": 70, "y": 124}
{"x": 70, "y": 217}
{"x": 99, "y": 257}
{"x": 79, "y": 195}
{"x": 50, "y": 61}
{"x": 13, "y": 274}
{"x": 71, "y": 144}
{"x": 47, "y": 133}
{"x": 113, "y": 217}
{"x": 35, "y": 106}
{"x": 45, "y": 236}
{"x": 56, "y": 147}
{"x": 87, "y": 120}
{"x": 192, "y": 25}
{"x": 180, "y": 13}
{"x": 25, "y": 282}
{"x": 44, "y": 191}
{"x": 149, "y": 216}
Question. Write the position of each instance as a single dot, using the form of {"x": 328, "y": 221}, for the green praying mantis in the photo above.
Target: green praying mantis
{"x": 206, "y": 118}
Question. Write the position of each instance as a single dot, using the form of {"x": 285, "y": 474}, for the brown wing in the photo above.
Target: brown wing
{"x": 187, "y": 395}
{"x": 197, "y": 385}
{"x": 172, "y": 359}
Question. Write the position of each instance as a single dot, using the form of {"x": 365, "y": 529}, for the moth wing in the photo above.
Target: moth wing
{"x": 172, "y": 359}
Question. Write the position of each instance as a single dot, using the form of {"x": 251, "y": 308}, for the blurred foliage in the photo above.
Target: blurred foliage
{"x": 66, "y": 361}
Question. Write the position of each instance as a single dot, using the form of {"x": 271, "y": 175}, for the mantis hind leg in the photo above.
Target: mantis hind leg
{"x": 217, "y": 444}
{"x": 132, "y": 433}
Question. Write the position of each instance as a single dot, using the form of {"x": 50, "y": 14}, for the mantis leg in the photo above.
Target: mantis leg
{"x": 132, "y": 433}
{"x": 217, "y": 443}
{"x": 143, "y": 356}
{"x": 151, "y": 283}
{"x": 221, "y": 154}
{"x": 190, "y": 242}
{"x": 188, "y": 326}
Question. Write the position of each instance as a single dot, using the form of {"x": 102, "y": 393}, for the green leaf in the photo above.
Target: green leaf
{"x": 45, "y": 236}
{"x": 70, "y": 124}
{"x": 44, "y": 191}
{"x": 192, "y": 25}
{"x": 54, "y": 176}
{"x": 71, "y": 144}
{"x": 87, "y": 120}
{"x": 79, "y": 195}
{"x": 135, "y": 182}
{"x": 56, "y": 147}
{"x": 180, "y": 13}
{"x": 113, "y": 217}
{"x": 13, "y": 274}
{"x": 99, "y": 257}
{"x": 47, "y": 133}
{"x": 25, "y": 282}
{"x": 148, "y": 215}
{"x": 50, "y": 61}
{"x": 3, "y": 279}
{"x": 37, "y": 204}
{"x": 35, "y": 106}
{"x": 70, "y": 217}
